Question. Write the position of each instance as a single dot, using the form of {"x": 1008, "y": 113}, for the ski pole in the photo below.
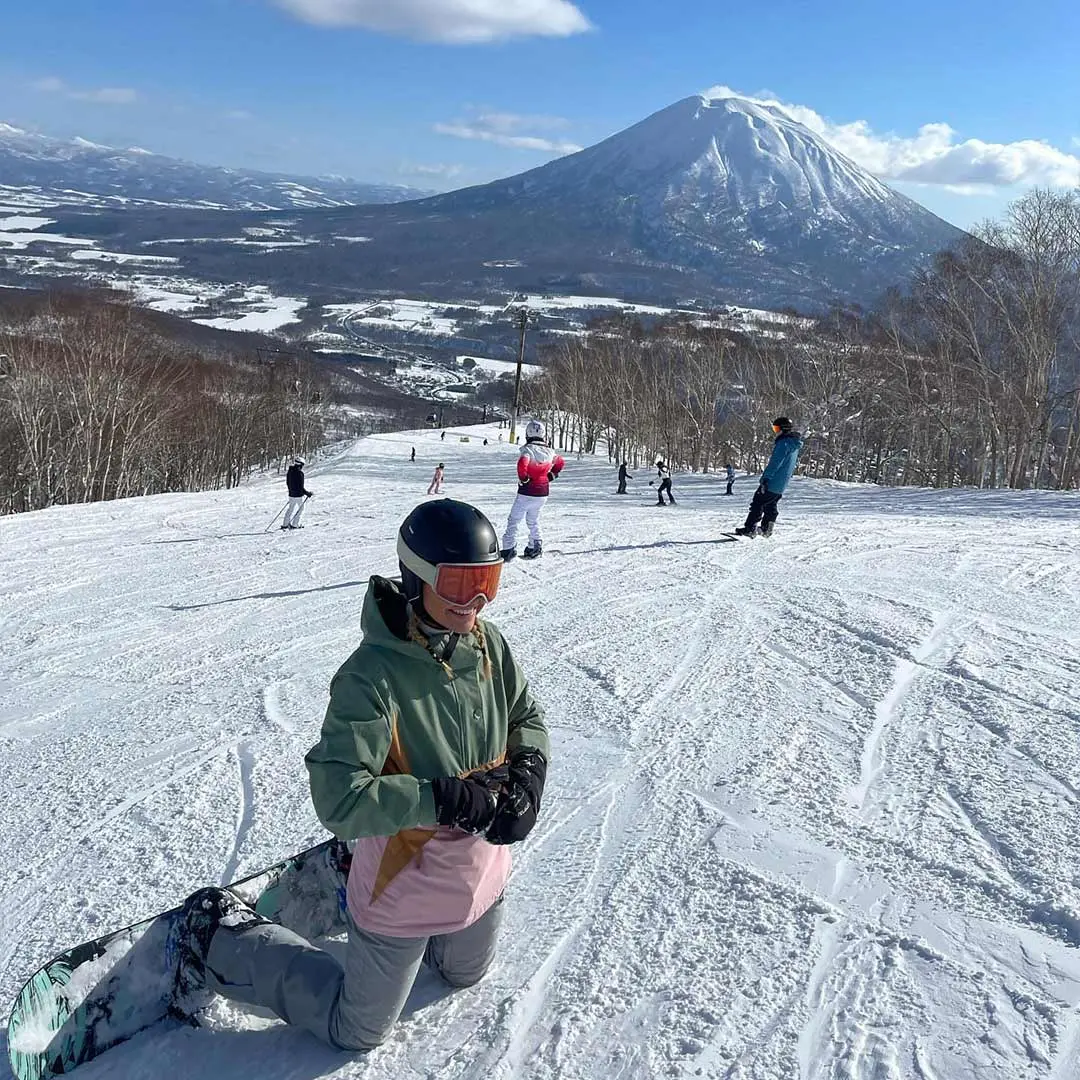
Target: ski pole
{"x": 277, "y": 515}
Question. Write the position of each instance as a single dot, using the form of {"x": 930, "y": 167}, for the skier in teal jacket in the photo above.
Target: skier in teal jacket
{"x": 774, "y": 479}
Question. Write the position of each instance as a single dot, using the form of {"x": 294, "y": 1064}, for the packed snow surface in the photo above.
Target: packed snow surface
{"x": 501, "y": 367}
{"x": 813, "y": 804}
{"x": 119, "y": 257}
{"x": 263, "y": 312}
{"x": 11, "y": 224}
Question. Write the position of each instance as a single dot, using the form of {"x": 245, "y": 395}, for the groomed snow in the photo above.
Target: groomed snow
{"x": 501, "y": 367}
{"x": 20, "y": 241}
{"x": 119, "y": 257}
{"x": 270, "y": 312}
{"x": 20, "y": 222}
{"x": 813, "y": 804}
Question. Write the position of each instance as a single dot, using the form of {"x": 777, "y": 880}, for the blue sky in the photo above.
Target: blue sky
{"x": 961, "y": 105}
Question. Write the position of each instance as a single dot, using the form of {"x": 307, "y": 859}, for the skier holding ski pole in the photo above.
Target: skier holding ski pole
{"x": 432, "y": 757}
{"x": 276, "y": 516}
{"x": 298, "y": 494}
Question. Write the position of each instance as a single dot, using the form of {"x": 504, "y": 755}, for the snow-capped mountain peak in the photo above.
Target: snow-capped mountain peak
{"x": 726, "y": 189}
{"x": 729, "y": 154}
{"x": 41, "y": 171}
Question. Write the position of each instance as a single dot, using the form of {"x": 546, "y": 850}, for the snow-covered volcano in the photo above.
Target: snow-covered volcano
{"x": 710, "y": 200}
{"x": 728, "y": 191}
{"x": 727, "y": 156}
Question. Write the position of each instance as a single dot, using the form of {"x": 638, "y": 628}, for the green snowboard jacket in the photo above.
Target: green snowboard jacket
{"x": 400, "y": 716}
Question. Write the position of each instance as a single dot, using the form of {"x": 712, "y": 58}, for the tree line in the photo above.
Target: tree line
{"x": 969, "y": 376}
{"x": 96, "y": 402}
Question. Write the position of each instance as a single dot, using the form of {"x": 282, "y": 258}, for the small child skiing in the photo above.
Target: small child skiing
{"x": 730, "y": 478}
{"x": 298, "y": 494}
{"x": 537, "y": 466}
{"x": 412, "y": 456}
{"x": 435, "y": 487}
{"x": 663, "y": 474}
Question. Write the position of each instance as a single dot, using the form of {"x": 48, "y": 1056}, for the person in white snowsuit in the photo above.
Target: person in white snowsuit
{"x": 537, "y": 466}
{"x": 435, "y": 487}
{"x": 298, "y": 495}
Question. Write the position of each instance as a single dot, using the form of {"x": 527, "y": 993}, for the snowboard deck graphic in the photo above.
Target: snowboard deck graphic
{"x": 103, "y": 992}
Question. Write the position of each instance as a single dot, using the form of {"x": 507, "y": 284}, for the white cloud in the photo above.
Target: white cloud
{"x": 934, "y": 156}
{"x": 49, "y": 85}
{"x": 451, "y": 22}
{"x": 106, "y": 95}
{"x": 510, "y": 122}
{"x": 507, "y": 129}
{"x": 239, "y": 115}
{"x": 447, "y": 172}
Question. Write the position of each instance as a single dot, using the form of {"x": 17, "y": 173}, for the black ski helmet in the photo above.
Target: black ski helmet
{"x": 444, "y": 531}
{"x": 783, "y": 423}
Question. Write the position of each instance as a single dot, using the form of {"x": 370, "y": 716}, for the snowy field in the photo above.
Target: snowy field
{"x": 813, "y": 809}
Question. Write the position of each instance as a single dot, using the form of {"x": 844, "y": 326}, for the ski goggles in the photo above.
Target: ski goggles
{"x": 464, "y": 583}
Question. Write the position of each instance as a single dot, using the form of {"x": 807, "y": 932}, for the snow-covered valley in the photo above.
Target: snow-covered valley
{"x": 813, "y": 805}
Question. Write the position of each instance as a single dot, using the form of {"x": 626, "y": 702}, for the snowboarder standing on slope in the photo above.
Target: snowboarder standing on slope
{"x": 537, "y": 466}
{"x": 623, "y": 477}
{"x": 435, "y": 487}
{"x": 432, "y": 757}
{"x": 774, "y": 479}
{"x": 663, "y": 474}
{"x": 298, "y": 495}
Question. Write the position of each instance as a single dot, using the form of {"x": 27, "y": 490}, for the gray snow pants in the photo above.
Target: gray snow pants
{"x": 352, "y": 1007}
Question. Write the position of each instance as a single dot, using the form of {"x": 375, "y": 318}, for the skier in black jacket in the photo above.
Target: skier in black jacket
{"x": 623, "y": 477}
{"x": 298, "y": 494}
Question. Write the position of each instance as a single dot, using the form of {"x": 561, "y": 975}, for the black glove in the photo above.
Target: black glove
{"x": 551, "y": 476}
{"x": 763, "y": 488}
{"x": 519, "y": 802}
{"x": 467, "y": 804}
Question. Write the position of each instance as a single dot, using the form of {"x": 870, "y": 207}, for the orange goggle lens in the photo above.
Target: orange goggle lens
{"x": 463, "y": 584}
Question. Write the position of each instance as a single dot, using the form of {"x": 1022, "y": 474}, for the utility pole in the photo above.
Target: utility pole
{"x": 523, "y": 321}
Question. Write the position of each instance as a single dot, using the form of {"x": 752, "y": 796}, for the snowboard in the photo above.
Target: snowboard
{"x": 105, "y": 991}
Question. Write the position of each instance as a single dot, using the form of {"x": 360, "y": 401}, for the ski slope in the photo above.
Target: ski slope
{"x": 813, "y": 809}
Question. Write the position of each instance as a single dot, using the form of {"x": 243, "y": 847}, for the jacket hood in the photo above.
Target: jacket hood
{"x": 385, "y": 623}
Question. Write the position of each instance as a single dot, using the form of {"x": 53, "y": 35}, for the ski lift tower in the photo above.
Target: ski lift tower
{"x": 523, "y": 325}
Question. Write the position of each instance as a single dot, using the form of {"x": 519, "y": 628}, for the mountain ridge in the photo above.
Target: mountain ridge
{"x": 709, "y": 200}
{"x": 77, "y": 172}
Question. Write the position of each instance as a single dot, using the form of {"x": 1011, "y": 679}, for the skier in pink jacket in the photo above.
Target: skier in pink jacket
{"x": 537, "y": 466}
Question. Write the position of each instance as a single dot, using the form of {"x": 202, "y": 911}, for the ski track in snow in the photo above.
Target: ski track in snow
{"x": 813, "y": 805}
